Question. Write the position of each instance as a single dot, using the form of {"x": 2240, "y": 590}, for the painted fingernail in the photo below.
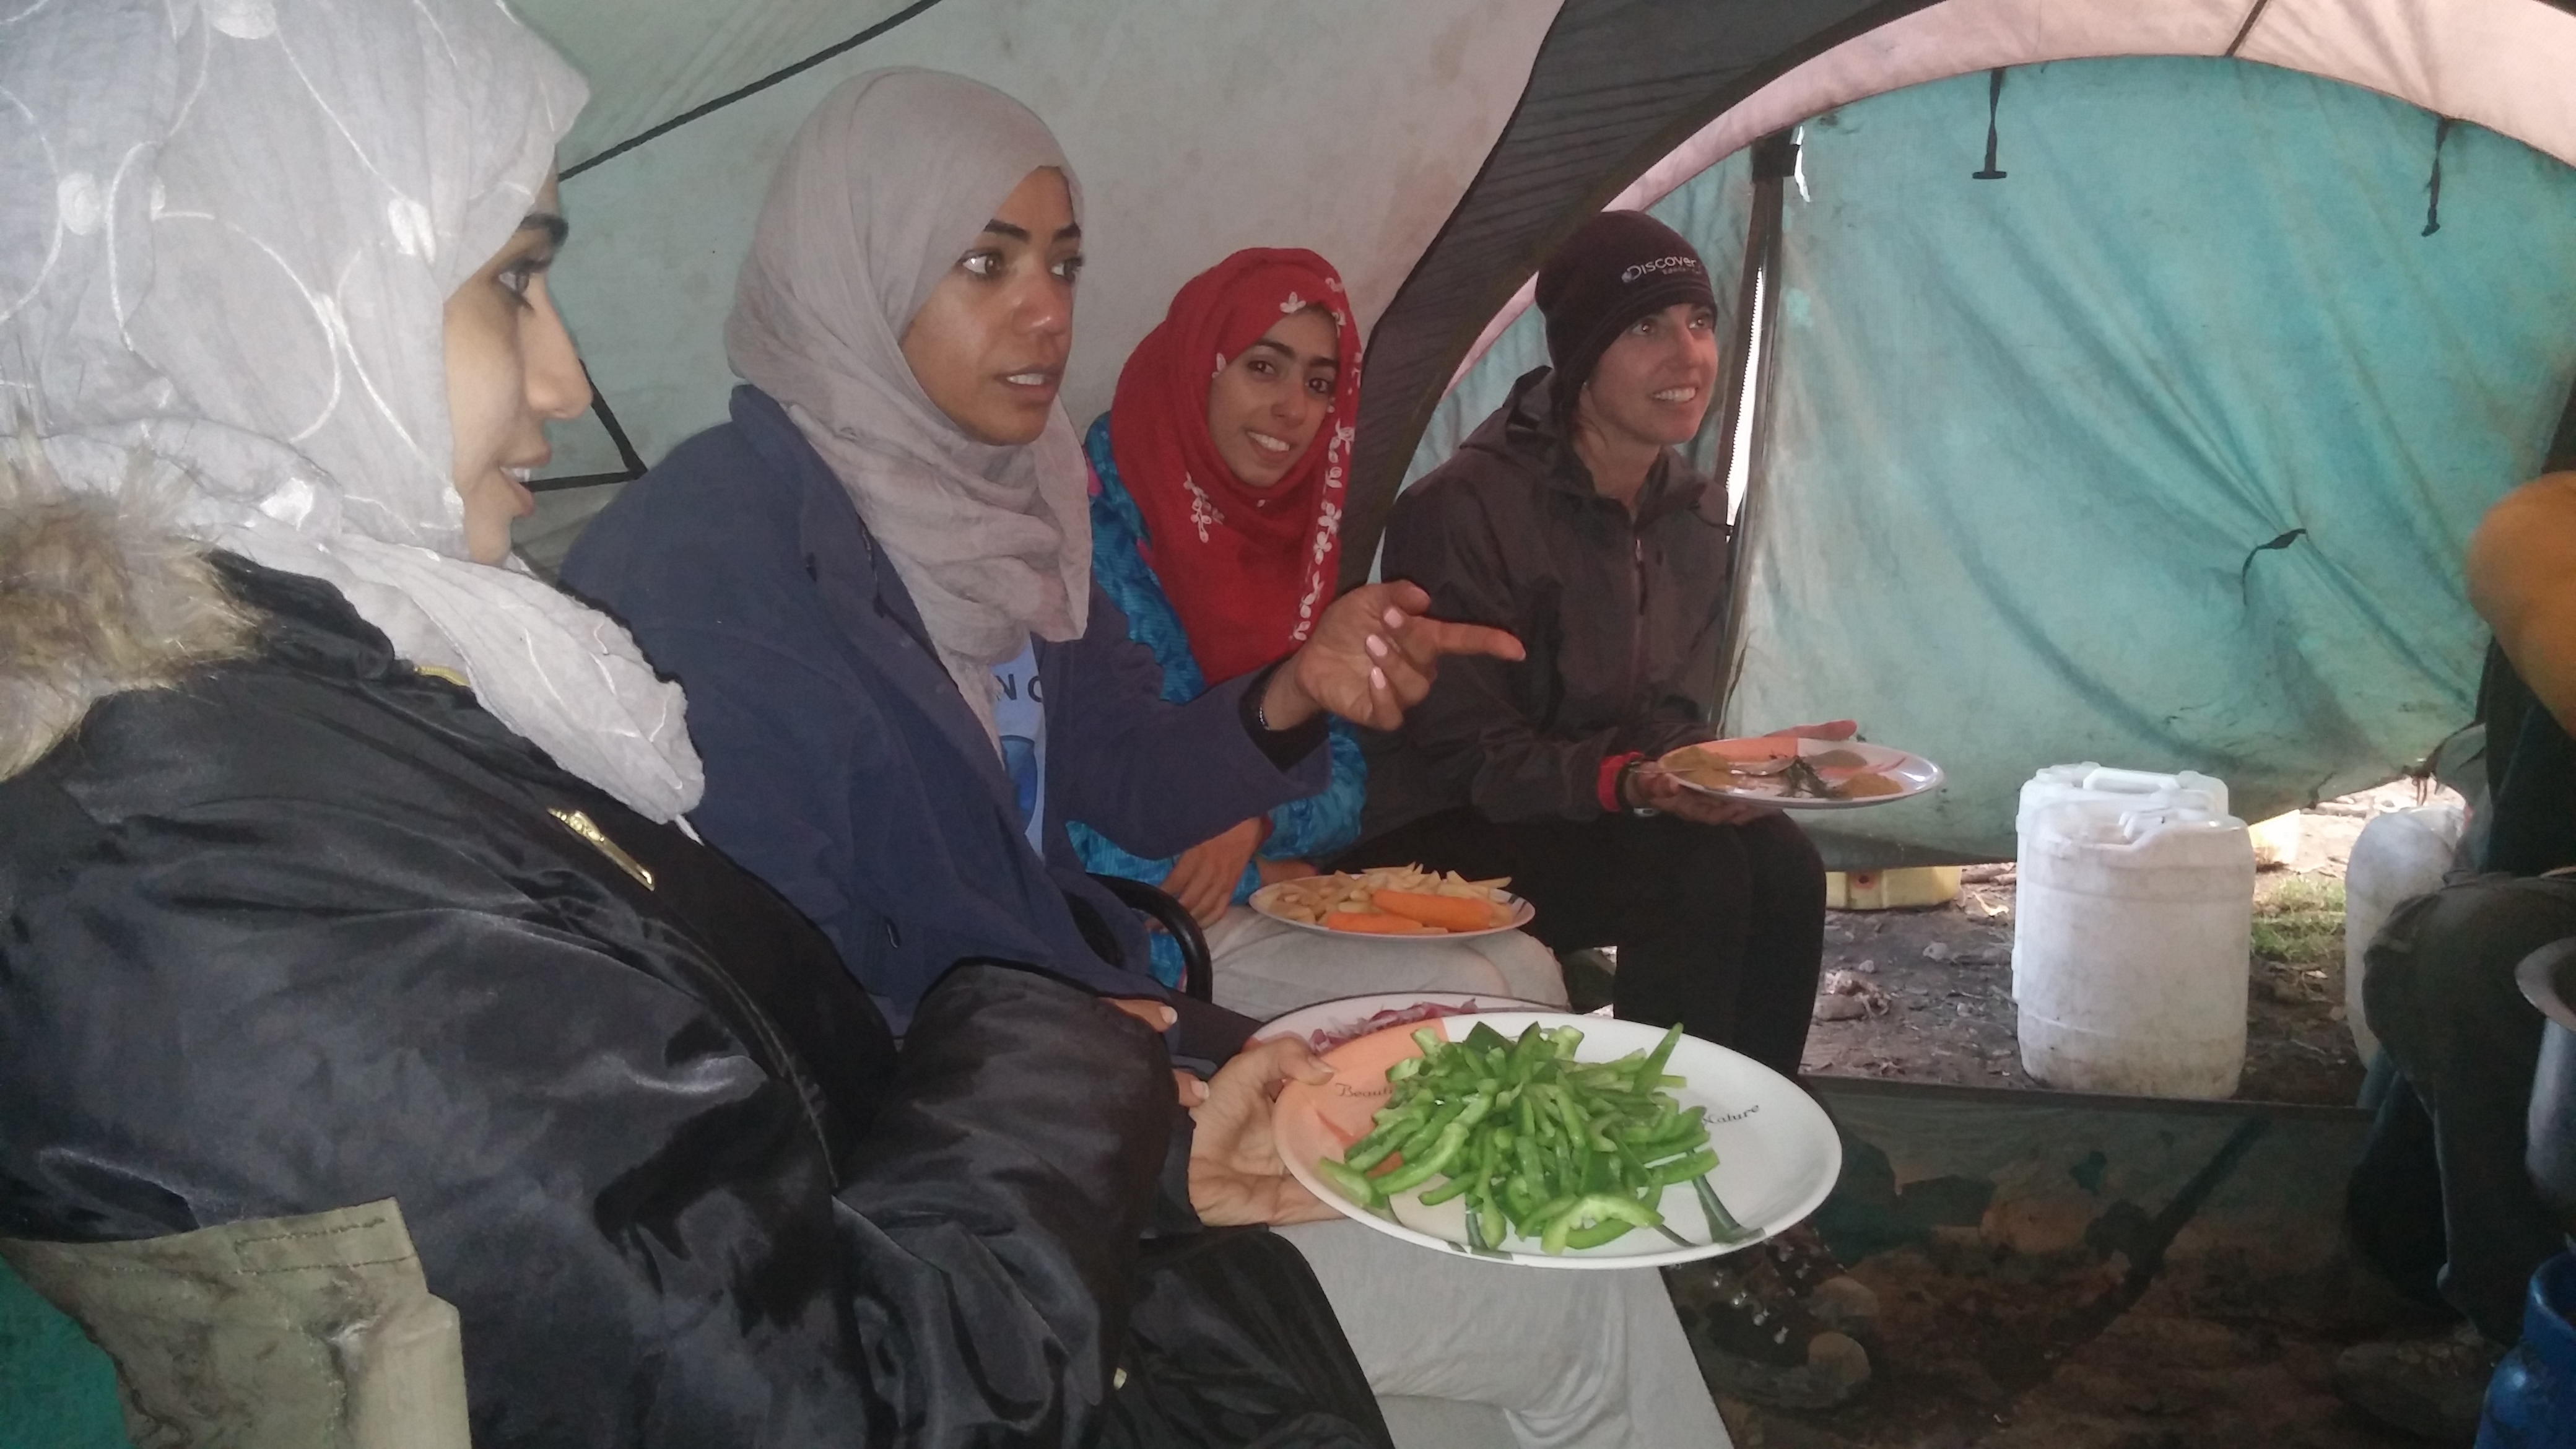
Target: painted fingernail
{"x": 1376, "y": 647}
{"x": 1377, "y": 678}
{"x": 1394, "y": 618}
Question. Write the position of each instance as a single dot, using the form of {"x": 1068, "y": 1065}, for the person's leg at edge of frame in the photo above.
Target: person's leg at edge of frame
{"x": 2469, "y": 1044}
{"x": 2441, "y": 993}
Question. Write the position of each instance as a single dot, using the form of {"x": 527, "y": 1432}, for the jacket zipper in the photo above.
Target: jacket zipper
{"x": 1637, "y": 627}
{"x": 580, "y": 823}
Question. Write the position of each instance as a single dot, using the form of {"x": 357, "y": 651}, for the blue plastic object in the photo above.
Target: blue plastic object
{"x": 2531, "y": 1401}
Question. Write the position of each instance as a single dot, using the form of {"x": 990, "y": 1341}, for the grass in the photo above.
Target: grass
{"x": 2300, "y": 923}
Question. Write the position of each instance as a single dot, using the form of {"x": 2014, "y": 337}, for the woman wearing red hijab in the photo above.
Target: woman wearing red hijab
{"x": 1220, "y": 470}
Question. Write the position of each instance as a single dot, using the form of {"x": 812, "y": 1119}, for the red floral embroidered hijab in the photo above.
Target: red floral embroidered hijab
{"x": 1248, "y": 570}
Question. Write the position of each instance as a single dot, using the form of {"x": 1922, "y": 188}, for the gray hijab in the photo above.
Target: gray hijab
{"x": 884, "y": 187}
{"x": 228, "y": 231}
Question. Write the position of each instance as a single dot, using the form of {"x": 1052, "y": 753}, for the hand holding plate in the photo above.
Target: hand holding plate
{"x": 1656, "y": 788}
{"x": 1235, "y": 1173}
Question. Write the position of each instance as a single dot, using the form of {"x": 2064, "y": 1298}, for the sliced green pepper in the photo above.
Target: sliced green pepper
{"x": 1683, "y": 1169}
{"x": 1358, "y": 1186}
{"x": 1414, "y": 1173}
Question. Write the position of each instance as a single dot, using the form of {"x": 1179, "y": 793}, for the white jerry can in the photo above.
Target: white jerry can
{"x": 2131, "y": 789}
{"x": 2138, "y": 789}
{"x": 2401, "y": 854}
{"x": 2130, "y": 939}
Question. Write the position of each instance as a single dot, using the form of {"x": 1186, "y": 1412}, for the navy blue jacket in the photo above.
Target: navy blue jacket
{"x": 844, "y": 768}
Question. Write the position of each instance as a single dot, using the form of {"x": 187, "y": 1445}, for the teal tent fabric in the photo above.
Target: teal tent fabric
{"x": 2031, "y": 434}
{"x": 2028, "y": 436}
{"x": 57, "y": 1391}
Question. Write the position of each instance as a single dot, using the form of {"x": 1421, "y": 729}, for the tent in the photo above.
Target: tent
{"x": 2131, "y": 374}
{"x": 1197, "y": 127}
{"x": 1976, "y": 228}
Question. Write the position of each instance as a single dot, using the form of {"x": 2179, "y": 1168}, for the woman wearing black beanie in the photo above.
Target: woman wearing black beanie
{"x": 1567, "y": 518}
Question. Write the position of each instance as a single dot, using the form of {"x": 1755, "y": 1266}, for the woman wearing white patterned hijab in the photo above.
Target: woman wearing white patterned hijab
{"x": 229, "y": 233}
{"x": 327, "y": 985}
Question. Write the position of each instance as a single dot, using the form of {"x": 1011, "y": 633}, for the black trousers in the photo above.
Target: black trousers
{"x": 2441, "y": 996}
{"x": 1719, "y": 927}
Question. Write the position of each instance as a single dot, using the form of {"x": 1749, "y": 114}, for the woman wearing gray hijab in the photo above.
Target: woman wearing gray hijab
{"x": 380, "y": 1063}
{"x": 874, "y": 584}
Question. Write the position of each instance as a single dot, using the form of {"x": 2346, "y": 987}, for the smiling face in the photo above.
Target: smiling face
{"x": 988, "y": 346}
{"x": 1264, "y": 408}
{"x": 510, "y": 369}
{"x": 1653, "y": 385}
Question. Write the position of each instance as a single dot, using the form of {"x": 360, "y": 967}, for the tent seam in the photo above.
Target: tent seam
{"x": 754, "y": 88}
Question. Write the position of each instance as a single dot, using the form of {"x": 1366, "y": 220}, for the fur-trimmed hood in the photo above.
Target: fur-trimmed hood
{"x": 99, "y": 594}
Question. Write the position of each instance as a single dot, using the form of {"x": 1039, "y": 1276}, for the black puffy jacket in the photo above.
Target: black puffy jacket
{"x": 313, "y": 929}
{"x": 1623, "y": 617}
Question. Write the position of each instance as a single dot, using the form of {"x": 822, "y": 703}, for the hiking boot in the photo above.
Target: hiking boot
{"x": 1808, "y": 1271}
{"x": 1756, "y": 1339}
{"x": 2429, "y": 1387}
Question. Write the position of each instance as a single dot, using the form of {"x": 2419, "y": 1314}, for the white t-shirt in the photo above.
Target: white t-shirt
{"x": 1019, "y": 716}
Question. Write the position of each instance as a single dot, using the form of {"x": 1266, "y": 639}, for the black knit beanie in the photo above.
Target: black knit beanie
{"x": 1620, "y": 267}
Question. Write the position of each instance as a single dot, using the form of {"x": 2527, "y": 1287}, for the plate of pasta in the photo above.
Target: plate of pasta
{"x": 1397, "y": 903}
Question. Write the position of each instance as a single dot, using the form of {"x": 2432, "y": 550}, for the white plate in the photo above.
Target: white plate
{"x": 1914, "y": 772}
{"x": 1522, "y": 914}
{"x": 1777, "y": 1153}
{"x": 1343, "y": 1016}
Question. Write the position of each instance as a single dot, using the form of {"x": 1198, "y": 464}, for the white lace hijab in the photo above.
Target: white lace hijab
{"x": 228, "y": 230}
{"x": 884, "y": 187}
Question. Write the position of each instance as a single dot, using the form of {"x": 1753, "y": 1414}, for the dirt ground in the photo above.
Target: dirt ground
{"x": 1983, "y": 1345}
{"x": 1937, "y": 982}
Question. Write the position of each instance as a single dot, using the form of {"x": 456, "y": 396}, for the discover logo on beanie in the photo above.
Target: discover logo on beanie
{"x": 1621, "y": 266}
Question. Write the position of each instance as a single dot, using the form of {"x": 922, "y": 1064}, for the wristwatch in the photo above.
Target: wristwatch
{"x": 1619, "y": 790}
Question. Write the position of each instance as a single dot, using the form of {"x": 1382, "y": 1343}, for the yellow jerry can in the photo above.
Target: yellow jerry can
{"x": 1887, "y": 890}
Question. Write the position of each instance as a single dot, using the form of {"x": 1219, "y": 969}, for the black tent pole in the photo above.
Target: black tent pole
{"x": 1748, "y": 384}
{"x": 2561, "y": 457}
{"x": 626, "y": 454}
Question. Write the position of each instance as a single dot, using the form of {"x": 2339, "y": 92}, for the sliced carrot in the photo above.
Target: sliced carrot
{"x": 1760, "y": 747}
{"x": 1456, "y": 913}
{"x": 1373, "y": 923}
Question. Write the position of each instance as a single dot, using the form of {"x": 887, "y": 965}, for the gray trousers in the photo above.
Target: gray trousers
{"x": 2440, "y": 994}
{"x": 1574, "y": 1358}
